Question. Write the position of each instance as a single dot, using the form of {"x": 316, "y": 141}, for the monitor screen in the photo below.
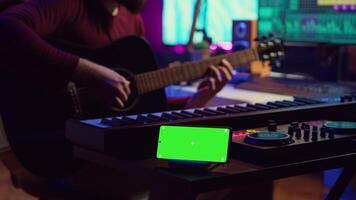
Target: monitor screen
{"x": 321, "y": 21}
{"x": 216, "y": 17}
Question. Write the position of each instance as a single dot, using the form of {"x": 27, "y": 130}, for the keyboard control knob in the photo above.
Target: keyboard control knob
{"x": 314, "y": 135}
{"x": 331, "y": 133}
{"x": 323, "y": 132}
{"x": 315, "y": 128}
{"x": 305, "y": 126}
{"x": 291, "y": 130}
{"x": 272, "y": 126}
{"x": 294, "y": 124}
{"x": 306, "y": 134}
{"x": 298, "y": 133}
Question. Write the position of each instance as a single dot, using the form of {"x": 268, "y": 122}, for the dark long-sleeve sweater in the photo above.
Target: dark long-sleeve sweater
{"x": 32, "y": 70}
{"x": 85, "y": 22}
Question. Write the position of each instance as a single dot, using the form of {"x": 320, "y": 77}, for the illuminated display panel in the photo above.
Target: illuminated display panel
{"x": 178, "y": 17}
{"x": 308, "y": 20}
{"x": 335, "y": 2}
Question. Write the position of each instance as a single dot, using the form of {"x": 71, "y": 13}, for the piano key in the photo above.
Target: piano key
{"x": 267, "y": 106}
{"x": 128, "y": 121}
{"x": 279, "y": 104}
{"x": 116, "y": 121}
{"x": 244, "y": 109}
{"x": 257, "y": 107}
{"x": 185, "y": 116}
{"x": 191, "y": 113}
{"x": 146, "y": 119}
{"x": 171, "y": 116}
{"x": 293, "y": 103}
{"x": 228, "y": 110}
{"x": 106, "y": 121}
{"x": 215, "y": 111}
{"x": 154, "y": 117}
{"x": 204, "y": 113}
{"x": 304, "y": 100}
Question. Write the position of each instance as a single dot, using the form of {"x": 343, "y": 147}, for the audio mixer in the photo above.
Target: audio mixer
{"x": 293, "y": 141}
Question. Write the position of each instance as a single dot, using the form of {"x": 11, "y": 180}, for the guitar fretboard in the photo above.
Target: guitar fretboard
{"x": 151, "y": 81}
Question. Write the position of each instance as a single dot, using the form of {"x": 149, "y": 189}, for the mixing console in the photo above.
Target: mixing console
{"x": 287, "y": 142}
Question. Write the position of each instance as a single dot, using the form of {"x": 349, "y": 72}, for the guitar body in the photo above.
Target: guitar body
{"x": 128, "y": 56}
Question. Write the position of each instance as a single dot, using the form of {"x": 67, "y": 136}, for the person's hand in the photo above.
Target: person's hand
{"x": 213, "y": 82}
{"x": 117, "y": 83}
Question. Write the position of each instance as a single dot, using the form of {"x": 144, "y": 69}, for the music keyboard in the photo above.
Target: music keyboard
{"x": 135, "y": 136}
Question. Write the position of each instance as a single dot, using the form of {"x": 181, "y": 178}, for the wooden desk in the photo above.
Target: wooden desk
{"x": 235, "y": 173}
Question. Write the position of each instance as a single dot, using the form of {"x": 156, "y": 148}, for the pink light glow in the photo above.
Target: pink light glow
{"x": 227, "y": 46}
{"x": 179, "y": 49}
{"x": 239, "y": 133}
{"x": 213, "y": 47}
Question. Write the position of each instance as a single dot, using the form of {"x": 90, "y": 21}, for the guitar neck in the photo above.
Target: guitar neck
{"x": 151, "y": 81}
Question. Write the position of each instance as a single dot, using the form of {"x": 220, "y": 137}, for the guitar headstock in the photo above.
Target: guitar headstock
{"x": 270, "y": 49}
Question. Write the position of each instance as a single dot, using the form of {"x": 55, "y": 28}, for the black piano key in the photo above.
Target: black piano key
{"x": 191, "y": 113}
{"x": 183, "y": 116}
{"x": 106, "y": 121}
{"x": 238, "y": 108}
{"x": 154, "y": 117}
{"x": 257, "y": 107}
{"x": 204, "y": 113}
{"x": 215, "y": 111}
{"x": 305, "y": 100}
{"x": 284, "y": 103}
{"x": 267, "y": 106}
{"x": 228, "y": 110}
{"x": 116, "y": 121}
{"x": 293, "y": 103}
{"x": 145, "y": 119}
{"x": 171, "y": 116}
{"x": 112, "y": 121}
{"x": 244, "y": 109}
{"x": 278, "y": 104}
{"x": 128, "y": 121}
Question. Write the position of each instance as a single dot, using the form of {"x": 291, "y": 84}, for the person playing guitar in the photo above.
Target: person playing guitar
{"x": 38, "y": 69}
{"x": 32, "y": 70}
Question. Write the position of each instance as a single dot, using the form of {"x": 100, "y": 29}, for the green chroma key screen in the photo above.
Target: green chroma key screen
{"x": 193, "y": 143}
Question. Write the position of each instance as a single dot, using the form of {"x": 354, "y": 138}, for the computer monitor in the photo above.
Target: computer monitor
{"x": 216, "y": 16}
{"x": 317, "y": 21}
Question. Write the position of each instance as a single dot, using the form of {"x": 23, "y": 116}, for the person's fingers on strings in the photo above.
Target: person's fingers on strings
{"x": 127, "y": 88}
{"x": 119, "y": 102}
{"x": 121, "y": 94}
{"x": 212, "y": 83}
{"x": 225, "y": 74}
{"x": 228, "y": 66}
{"x": 214, "y": 72}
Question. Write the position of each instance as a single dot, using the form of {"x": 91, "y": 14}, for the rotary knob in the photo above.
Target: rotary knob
{"x": 298, "y": 133}
{"x": 291, "y": 130}
{"x": 331, "y": 132}
{"x": 323, "y": 131}
{"x": 272, "y": 126}
{"x": 306, "y": 134}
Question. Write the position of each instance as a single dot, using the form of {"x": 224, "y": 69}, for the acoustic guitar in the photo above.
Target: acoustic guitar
{"x": 133, "y": 58}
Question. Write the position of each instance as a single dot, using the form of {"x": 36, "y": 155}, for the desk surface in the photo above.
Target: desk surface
{"x": 235, "y": 173}
{"x": 230, "y": 92}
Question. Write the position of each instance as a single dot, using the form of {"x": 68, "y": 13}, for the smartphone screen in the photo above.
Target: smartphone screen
{"x": 193, "y": 143}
